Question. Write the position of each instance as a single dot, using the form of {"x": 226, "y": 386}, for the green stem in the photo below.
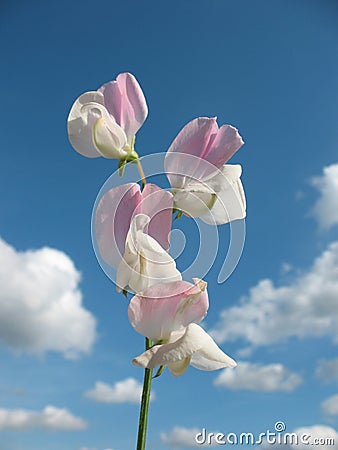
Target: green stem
{"x": 141, "y": 172}
{"x": 142, "y": 427}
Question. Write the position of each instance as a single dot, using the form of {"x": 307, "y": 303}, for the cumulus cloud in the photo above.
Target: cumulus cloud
{"x": 181, "y": 437}
{"x": 50, "y": 418}
{"x": 327, "y": 370}
{"x": 125, "y": 391}
{"x": 305, "y": 307}
{"x": 41, "y": 303}
{"x": 325, "y": 209}
{"x": 255, "y": 377}
{"x": 330, "y": 406}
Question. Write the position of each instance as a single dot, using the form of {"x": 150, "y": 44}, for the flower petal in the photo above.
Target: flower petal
{"x": 193, "y": 141}
{"x": 193, "y": 340}
{"x": 225, "y": 144}
{"x": 81, "y": 122}
{"x": 167, "y": 307}
{"x": 157, "y": 204}
{"x": 112, "y": 220}
{"x": 125, "y": 101}
{"x": 194, "y": 200}
{"x": 211, "y": 357}
{"x": 109, "y": 139}
{"x": 113, "y": 100}
{"x": 194, "y": 137}
{"x": 230, "y": 203}
{"x": 178, "y": 368}
{"x": 145, "y": 262}
{"x": 201, "y": 363}
{"x": 136, "y": 99}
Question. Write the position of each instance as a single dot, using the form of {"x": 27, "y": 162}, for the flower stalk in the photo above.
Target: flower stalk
{"x": 143, "y": 421}
{"x": 141, "y": 172}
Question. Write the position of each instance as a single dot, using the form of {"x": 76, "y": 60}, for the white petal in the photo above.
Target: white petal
{"x": 109, "y": 138}
{"x": 201, "y": 363}
{"x": 109, "y": 143}
{"x": 185, "y": 345}
{"x": 178, "y": 368}
{"x": 127, "y": 271}
{"x": 81, "y": 123}
{"x": 211, "y": 357}
{"x": 230, "y": 202}
{"x": 217, "y": 200}
{"x": 145, "y": 262}
{"x": 194, "y": 200}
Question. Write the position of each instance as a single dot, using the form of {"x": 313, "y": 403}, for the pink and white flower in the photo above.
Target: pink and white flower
{"x": 202, "y": 184}
{"x": 132, "y": 232}
{"x": 168, "y": 314}
{"x": 104, "y": 122}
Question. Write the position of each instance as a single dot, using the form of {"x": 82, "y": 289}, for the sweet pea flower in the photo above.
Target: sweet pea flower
{"x": 132, "y": 232}
{"x": 202, "y": 184}
{"x": 104, "y": 122}
{"x": 168, "y": 314}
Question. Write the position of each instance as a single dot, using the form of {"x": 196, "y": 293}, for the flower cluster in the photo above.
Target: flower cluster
{"x": 133, "y": 226}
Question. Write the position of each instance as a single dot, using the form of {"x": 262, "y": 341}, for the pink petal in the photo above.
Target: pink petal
{"x": 157, "y": 204}
{"x": 134, "y": 107}
{"x": 166, "y": 307}
{"x": 225, "y": 144}
{"x": 192, "y": 140}
{"x": 136, "y": 99}
{"x": 125, "y": 101}
{"x": 112, "y": 221}
{"x": 194, "y": 136}
{"x": 113, "y": 100}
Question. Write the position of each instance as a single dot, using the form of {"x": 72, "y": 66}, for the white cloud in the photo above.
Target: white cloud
{"x": 125, "y": 391}
{"x": 330, "y": 406}
{"x": 325, "y": 209}
{"x": 315, "y": 436}
{"x": 305, "y": 307}
{"x": 255, "y": 377}
{"x": 50, "y": 418}
{"x": 41, "y": 303}
{"x": 286, "y": 268}
{"x": 319, "y": 435}
{"x": 182, "y": 437}
{"x": 327, "y": 370}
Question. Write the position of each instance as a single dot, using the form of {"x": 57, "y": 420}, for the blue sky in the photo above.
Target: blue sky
{"x": 268, "y": 68}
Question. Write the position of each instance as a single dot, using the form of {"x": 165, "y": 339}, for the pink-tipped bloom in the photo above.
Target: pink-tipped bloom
{"x": 203, "y": 186}
{"x": 168, "y": 314}
{"x": 104, "y": 122}
{"x": 132, "y": 232}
